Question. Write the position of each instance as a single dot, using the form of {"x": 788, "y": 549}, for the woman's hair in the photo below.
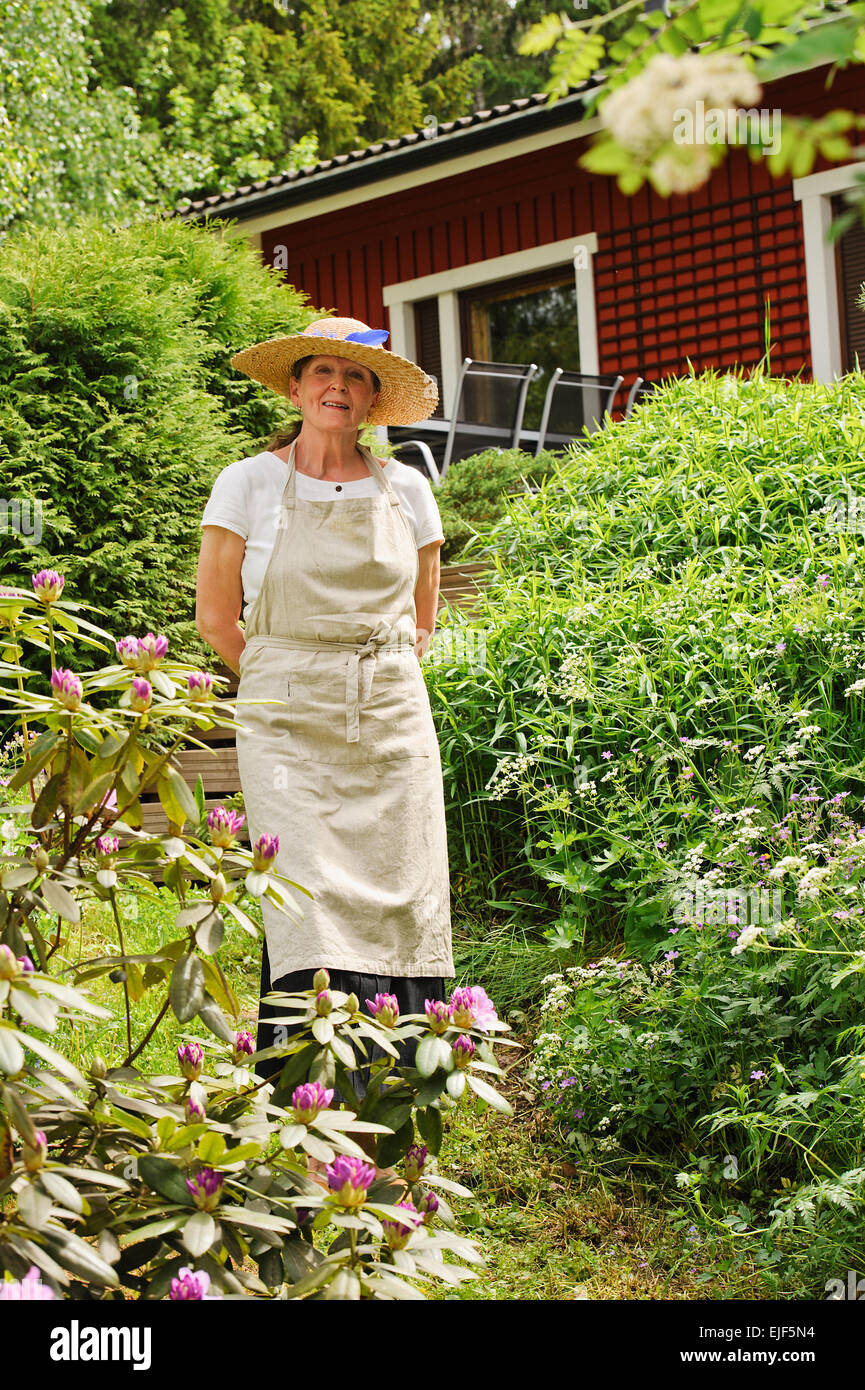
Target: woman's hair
{"x": 287, "y": 433}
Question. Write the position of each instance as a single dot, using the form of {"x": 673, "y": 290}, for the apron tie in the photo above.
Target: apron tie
{"x": 358, "y": 681}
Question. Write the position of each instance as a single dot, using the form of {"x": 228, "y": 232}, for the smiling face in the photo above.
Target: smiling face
{"x": 334, "y": 393}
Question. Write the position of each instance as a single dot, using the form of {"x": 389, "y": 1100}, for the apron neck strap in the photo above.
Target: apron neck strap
{"x": 372, "y": 463}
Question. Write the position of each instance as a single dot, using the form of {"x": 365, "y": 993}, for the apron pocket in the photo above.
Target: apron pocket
{"x": 395, "y": 720}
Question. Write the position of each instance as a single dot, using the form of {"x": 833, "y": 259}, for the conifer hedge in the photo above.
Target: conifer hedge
{"x": 119, "y": 406}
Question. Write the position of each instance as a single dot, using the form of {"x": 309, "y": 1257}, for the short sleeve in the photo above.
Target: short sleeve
{"x": 429, "y": 522}
{"x": 227, "y": 505}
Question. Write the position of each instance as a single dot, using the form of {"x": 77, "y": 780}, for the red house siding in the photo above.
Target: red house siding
{"x": 686, "y": 278}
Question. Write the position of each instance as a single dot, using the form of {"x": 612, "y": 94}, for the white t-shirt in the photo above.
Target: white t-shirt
{"x": 246, "y": 498}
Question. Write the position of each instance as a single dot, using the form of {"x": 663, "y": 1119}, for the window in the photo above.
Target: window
{"x": 850, "y": 269}
{"x": 530, "y": 319}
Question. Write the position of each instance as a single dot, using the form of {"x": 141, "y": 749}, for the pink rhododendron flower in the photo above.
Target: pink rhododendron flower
{"x": 29, "y": 1290}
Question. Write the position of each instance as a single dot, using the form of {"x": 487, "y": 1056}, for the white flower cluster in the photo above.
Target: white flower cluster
{"x": 747, "y": 938}
{"x": 810, "y": 885}
{"x": 791, "y": 863}
{"x": 642, "y": 115}
{"x": 509, "y": 774}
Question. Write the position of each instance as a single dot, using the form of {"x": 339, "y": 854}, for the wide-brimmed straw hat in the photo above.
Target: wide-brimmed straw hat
{"x": 407, "y": 393}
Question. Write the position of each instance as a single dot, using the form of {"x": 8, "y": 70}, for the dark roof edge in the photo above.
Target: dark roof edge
{"x": 359, "y": 168}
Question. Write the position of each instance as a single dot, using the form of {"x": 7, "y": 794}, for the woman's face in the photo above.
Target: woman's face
{"x": 334, "y": 394}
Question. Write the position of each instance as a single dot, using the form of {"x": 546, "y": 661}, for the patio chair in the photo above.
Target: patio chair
{"x": 489, "y": 408}
{"x": 640, "y": 389}
{"x": 575, "y": 400}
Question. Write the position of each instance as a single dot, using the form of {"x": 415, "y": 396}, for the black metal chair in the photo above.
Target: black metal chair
{"x": 575, "y": 401}
{"x": 638, "y": 392}
{"x": 488, "y": 412}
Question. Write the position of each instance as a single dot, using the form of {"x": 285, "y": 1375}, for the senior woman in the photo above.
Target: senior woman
{"x": 333, "y": 555}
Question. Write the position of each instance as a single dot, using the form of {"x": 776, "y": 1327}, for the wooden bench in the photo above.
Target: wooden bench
{"x": 460, "y": 586}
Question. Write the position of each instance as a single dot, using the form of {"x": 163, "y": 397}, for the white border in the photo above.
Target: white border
{"x": 399, "y": 300}
{"x": 815, "y": 192}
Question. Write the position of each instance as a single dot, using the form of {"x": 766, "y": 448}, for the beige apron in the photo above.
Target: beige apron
{"x": 348, "y": 771}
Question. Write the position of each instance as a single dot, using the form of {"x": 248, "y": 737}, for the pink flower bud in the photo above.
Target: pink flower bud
{"x": 206, "y": 1189}
{"x": 384, "y": 1009}
{"x": 323, "y": 1003}
{"x": 141, "y": 697}
{"x": 151, "y": 650}
{"x": 67, "y": 689}
{"x": 264, "y": 852}
{"x": 464, "y": 1050}
{"x": 48, "y": 585}
{"x": 438, "y": 1015}
{"x": 244, "y": 1044}
{"x": 320, "y": 980}
{"x": 190, "y": 1286}
{"x": 127, "y": 650}
{"x": 33, "y": 1155}
{"x": 191, "y": 1059}
{"x": 398, "y": 1233}
{"x": 200, "y": 686}
{"x": 193, "y": 1112}
{"x": 9, "y": 967}
{"x": 349, "y": 1179}
{"x": 428, "y": 1206}
{"x": 415, "y": 1161}
{"x": 224, "y": 826}
{"x": 308, "y": 1100}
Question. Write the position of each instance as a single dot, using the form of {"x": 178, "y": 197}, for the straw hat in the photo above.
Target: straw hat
{"x": 408, "y": 395}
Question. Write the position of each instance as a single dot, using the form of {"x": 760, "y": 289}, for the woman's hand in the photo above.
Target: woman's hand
{"x": 219, "y": 595}
{"x": 421, "y": 646}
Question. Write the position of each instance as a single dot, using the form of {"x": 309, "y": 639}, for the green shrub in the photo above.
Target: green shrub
{"x": 471, "y": 496}
{"x": 118, "y": 404}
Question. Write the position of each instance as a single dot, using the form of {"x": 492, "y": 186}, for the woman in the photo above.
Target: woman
{"x": 334, "y": 554}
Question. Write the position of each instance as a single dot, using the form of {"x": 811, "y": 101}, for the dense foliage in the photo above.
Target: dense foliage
{"x": 125, "y": 1180}
{"x": 119, "y": 406}
{"x": 658, "y": 759}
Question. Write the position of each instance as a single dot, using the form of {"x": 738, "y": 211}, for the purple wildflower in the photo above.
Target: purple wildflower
{"x": 223, "y": 826}
{"x": 48, "y": 585}
{"x": 206, "y": 1188}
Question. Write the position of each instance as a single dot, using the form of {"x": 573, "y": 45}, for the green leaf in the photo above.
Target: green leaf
{"x": 213, "y": 1018}
{"x": 186, "y": 990}
{"x": 166, "y": 1178}
{"x": 322, "y": 1030}
{"x": 317, "y": 1147}
{"x": 60, "y": 899}
{"x": 61, "y": 1190}
{"x": 270, "y": 1269}
{"x": 79, "y": 1257}
{"x": 92, "y": 794}
{"x": 429, "y": 1123}
{"x": 211, "y": 1147}
{"x": 456, "y": 1084}
{"x": 136, "y": 1124}
{"x": 833, "y": 42}
{"x": 199, "y": 1233}
{"x": 489, "y": 1094}
{"x": 46, "y": 803}
{"x": 343, "y": 1051}
{"x": 209, "y": 934}
{"x": 391, "y": 1147}
{"x": 55, "y": 1059}
{"x": 428, "y": 1057}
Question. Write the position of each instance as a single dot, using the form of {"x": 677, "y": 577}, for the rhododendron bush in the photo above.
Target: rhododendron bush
{"x": 195, "y": 1183}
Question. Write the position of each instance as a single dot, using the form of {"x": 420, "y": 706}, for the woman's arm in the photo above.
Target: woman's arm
{"x": 426, "y": 594}
{"x": 219, "y": 593}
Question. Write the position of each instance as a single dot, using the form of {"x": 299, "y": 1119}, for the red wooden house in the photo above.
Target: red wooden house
{"x": 485, "y": 238}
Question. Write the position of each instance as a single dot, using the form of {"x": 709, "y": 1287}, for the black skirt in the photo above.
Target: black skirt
{"x": 411, "y": 993}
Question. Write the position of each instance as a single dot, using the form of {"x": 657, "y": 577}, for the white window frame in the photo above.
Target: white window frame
{"x": 446, "y": 285}
{"x": 815, "y": 193}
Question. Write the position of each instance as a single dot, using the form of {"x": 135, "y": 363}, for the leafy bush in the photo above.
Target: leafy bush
{"x": 118, "y": 404}
{"x": 471, "y": 495}
{"x": 658, "y": 728}
{"x": 169, "y": 1184}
